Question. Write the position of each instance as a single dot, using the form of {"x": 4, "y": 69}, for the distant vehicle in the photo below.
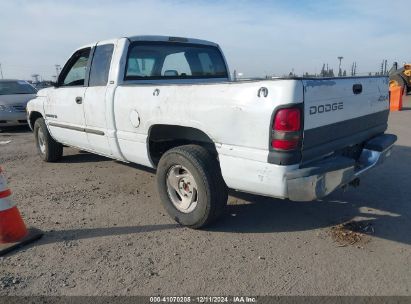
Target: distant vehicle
{"x": 42, "y": 84}
{"x": 401, "y": 77}
{"x": 14, "y": 95}
{"x": 169, "y": 103}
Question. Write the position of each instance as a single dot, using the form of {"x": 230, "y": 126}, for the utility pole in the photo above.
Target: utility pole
{"x": 339, "y": 67}
{"x": 383, "y": 69}
{"x": 354, "y": 68}
{"x": 35, "y": 78}
{"x": 1, "y": 72}
{"x": 58, "y": 69}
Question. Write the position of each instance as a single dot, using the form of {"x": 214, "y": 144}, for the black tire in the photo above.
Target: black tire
{"x": 51, "y": 150}
{"x": 211, "y": 191}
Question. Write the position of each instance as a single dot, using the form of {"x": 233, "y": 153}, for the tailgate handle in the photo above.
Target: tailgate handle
{"x": 357, "y": 88}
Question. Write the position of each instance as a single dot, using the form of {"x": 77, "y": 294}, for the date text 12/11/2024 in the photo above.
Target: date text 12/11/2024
{"x": 203, "y": 299}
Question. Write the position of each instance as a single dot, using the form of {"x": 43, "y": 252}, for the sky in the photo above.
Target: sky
{"x": 258, "y": 37}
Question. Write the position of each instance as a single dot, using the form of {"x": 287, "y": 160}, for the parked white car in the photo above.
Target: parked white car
{"x": 168, "y": 103}
{"x": 14, "y": 96}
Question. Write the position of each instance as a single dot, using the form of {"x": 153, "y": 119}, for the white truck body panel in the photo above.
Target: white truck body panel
{"x": 232, "y": 104}
{"x": 60, "y": 104}
{"x": 230, "y": 118}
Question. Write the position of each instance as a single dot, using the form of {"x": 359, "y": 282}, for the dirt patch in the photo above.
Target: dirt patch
{"x": 352, "y": 233}
{"x": 10, "y": 281}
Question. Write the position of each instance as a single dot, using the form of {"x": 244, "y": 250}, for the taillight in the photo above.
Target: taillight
{"x": 286, "y": 129}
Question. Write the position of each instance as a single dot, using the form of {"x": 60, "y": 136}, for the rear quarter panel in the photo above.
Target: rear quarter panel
{"x": 231, "y": 114}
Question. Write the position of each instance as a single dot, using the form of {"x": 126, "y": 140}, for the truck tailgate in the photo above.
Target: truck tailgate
{"x": 342, "y": 112}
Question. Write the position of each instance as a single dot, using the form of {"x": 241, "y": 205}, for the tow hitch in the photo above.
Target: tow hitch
{"x": 355, "y": 182}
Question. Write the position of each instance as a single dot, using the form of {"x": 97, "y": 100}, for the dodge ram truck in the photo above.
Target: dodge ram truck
{"x": 169, "y": 103}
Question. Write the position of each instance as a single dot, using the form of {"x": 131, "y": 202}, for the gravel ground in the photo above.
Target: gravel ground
{"x": 107, "y": 234}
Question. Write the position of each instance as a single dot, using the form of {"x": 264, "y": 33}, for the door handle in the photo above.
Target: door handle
{"x": 79, "y": 100}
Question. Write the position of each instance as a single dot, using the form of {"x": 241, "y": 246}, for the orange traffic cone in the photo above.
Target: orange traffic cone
{"x": 13, "y": 231}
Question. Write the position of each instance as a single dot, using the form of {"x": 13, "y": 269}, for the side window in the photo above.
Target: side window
{"x": 74, "y": 73}
{"x": 100, "y": 65}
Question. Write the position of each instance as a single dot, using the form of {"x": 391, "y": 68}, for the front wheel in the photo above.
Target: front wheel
{"x": 190, "y": 185}
{"x": 48, "y": 148}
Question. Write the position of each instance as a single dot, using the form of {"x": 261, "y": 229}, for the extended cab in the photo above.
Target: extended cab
{"x": 169, "y": 103}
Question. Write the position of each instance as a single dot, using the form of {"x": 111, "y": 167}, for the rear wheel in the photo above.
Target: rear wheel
{"x": 48, "y": 148}
{"x": 190, "y": 185}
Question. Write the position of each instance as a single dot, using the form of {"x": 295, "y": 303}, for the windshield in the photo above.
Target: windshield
{"x": 16, "y": 87}
{"x": 162, "y": 60}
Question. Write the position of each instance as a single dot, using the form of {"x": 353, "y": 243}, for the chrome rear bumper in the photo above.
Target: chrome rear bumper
{"x": 322, "y": 178}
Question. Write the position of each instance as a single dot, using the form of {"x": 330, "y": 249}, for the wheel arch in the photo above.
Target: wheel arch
{"x": 34, "y": 115}
{"x": 163, "y": 137}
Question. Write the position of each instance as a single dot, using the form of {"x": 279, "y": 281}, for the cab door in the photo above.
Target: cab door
{"x": 97, "y": 100}
{"x": 64, "y": 109}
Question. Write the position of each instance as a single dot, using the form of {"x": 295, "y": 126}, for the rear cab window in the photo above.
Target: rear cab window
{"x": 170, "y": 60}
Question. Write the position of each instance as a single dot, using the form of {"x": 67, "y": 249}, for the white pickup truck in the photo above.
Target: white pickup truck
{"x": 169, "y": 103}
